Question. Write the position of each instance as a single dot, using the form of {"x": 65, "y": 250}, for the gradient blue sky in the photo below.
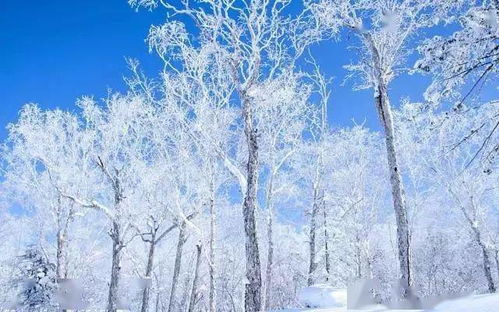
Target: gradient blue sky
{"x": 52, "y": 52}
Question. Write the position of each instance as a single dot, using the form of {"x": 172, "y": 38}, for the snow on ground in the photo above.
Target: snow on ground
{"x": 323, "y": 298}
{"x": 480, "y": 303}
{"x": 367, "y": 309}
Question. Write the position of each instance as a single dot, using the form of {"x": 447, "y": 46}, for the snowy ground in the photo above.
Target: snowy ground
{"x": 327, "y": 299}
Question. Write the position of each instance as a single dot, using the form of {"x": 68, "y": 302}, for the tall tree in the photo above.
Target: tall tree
{"x": 384, "y": 28}
{"x": 283, "y": 113}
{"x": 114, "y": 157}
{"x": 318, "y": 130}
{"x": 257, "y": 43}
{"x": 42, "y": 148}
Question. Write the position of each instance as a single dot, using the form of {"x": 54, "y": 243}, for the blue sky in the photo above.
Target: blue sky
{"x": 52, "y": 52}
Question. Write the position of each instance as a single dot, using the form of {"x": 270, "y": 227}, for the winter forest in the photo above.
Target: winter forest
{"x": 219, "y": 184}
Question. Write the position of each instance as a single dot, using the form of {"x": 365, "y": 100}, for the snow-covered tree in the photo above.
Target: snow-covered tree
{"x": 469, "y": 55}
{"x": 39, "y": 142}
{"x": 470, "y": 186}
{"x": 138, "y": 196}
{"x": 257, "y": 42}
{"x": 37, "y": 279}
{"x": 464, "y": 64}
{"x": 384, "y": 29}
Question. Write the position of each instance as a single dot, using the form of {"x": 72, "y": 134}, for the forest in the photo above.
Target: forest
{"x": 220, "y": 184}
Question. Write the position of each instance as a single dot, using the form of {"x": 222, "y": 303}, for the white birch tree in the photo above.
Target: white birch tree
{"x": 384, "y": 29}
{"x": 258, "y": 42}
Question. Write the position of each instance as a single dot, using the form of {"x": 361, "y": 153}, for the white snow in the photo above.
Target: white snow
{"x": 479, "y": 303}
{"x": 318, "y": 295}
{"x": 323, "y": 296}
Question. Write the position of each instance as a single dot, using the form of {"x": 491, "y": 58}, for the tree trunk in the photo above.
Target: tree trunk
{"x": 358, "y": 256}
{"x": 478, "y": 237}
{"x": 184, "y": 303}
{"x": 312, "y": 235}
{"x": 252, "y": 297}
{"x": 193, "y": 299}
{"x": 112, "y": 302}
{"x": 62, "y": 234}
{"x": 150, "y": 259}
{"x": 326, "y": 239}
{"x": 60, "y": 254}
{"x": 270, "y": 242}
{"x": 497, "y": 262}
{"x": 157, "y": 302}
{"x": 116, "y": 237}
{"x": 176, "y": 269}
{"x": 212, "y": 294}
{"x": 384, "y": 110}
{"x": 270, "y": 261}
{"x": 382, "y": 103}
{"x": 486, "y": 260}
{"x": 61, "y": 269}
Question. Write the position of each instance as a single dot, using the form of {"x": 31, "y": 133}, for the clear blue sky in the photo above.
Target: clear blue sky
{"x": 52, "y": 52}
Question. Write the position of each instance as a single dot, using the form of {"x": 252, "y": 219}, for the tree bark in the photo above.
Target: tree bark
{"x": 176, "y": 269}
{"x": 497, "y": 262}
{"x": 382, "y": 103}
{"x": 252, "y": 297}
{"x": 61, "y": 244}
{"x": 157, "y": 302}
{"x": 326, "y": 239}
{"x": 270, "y": 242}
{"x": 270, "y": 261}
{"x": 150, "y": 261}
{"x": 478, "y": 237}
{"x": 62, "y": 234}
{"x": 61, "y": 269}
{"x": 184, "y": 303}
{"x": 193, "y": 299}
{"x": 112, "y": 303}
{"x": 358, "y": 256}
{"x": 486, "y": 260}
{"x": 116, "y": 237}
{"x": 312, "y": 236}
{"x": 212, "y": 293}
{"x": 398, "y": 196}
